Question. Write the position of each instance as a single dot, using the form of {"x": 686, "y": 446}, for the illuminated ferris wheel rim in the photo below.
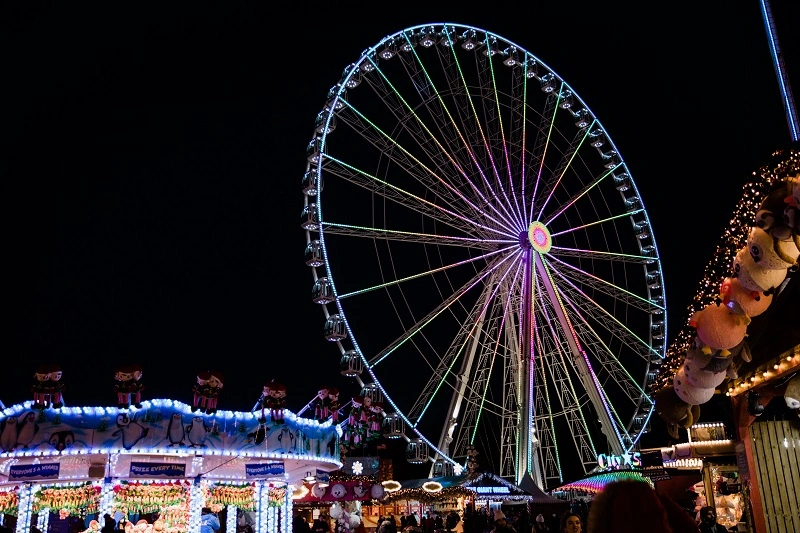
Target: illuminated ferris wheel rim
{"x": 536, "y": 233}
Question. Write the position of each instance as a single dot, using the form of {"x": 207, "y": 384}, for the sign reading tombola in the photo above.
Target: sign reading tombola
{"x": 40, "y": 471}
{"x": 261, "y": 470}
{"x": 158, "y": 470}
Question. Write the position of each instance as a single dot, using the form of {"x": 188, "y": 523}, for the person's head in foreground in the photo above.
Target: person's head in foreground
{"x": 571, "y": 523}
{"x": 633, "y": 505}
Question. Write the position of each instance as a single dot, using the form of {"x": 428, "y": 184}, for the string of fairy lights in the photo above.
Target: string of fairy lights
{"x": 734, "y": 237}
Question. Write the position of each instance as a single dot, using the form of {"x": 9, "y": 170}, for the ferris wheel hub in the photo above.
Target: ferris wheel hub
{"x": 539, "y": 237}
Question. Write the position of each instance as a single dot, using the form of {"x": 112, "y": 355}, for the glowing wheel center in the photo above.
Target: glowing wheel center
{"x": 539, "y": 237}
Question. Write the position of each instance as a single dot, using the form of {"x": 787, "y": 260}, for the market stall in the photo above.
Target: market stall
{"x": 161, "y": 463}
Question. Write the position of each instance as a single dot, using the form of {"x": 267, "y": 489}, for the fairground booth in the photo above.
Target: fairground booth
{"x": 160, "y": 463}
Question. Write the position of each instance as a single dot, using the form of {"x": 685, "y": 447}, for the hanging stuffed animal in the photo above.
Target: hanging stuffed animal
{"x": 123, "y": 386}
{"x": 351, "y": 434}
{"x": 200, "y": 391}
{"x": 55, "y": 387}
{"x": 39, "y": 388}
{"x": 276, "y": 402}
{"x": 674, "y": 411}
{"x": 320, "y": 403}
{"x": 753, "y": 276}
{"x": 333, "y": 404}
{"x": 792, "y": 394}
{"x": 213, "y": 388}
{"x": 719, "y": 327}
{"x": 136, "y": 386}
{"x": 752, "y": 303}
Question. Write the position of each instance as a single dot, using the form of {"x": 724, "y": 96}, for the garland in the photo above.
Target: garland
{"x": 9, "y": 502}
{"x": 241, "y": 496}
{"x": 149, "y": 498}
{"x": 73, "y": 500}
{"x": 423, "y": 496}
{"x": 276, "y": 497}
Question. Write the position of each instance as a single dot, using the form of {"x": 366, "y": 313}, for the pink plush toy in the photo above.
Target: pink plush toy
{"x": 752, "y": 303}
{"x": 719, "y": 328}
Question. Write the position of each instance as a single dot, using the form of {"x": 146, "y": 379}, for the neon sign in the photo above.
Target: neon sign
{"x": 620, "y": 462}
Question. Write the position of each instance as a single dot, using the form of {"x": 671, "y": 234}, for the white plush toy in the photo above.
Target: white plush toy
{"x": 792, "y": 394}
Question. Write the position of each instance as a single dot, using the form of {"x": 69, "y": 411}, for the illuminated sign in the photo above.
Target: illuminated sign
{"x": 40, "y": 471}
{"x": 619, "y": 462}
{"x": 158, "y": 470}
{"x": 491, "y": 490}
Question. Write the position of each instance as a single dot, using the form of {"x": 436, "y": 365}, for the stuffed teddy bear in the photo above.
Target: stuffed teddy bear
{"x": 674, "y": 411}
{"x": 792, "y": 394}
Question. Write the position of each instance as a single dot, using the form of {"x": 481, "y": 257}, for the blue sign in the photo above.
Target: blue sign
{"x": 158, "y": 470}
{"x": 323, "y": 476}
{"x": 40, "y": 471}
{"x": 261, "y": 470}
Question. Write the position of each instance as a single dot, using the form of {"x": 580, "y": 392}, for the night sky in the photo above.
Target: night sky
{"x": 154, "y": 155}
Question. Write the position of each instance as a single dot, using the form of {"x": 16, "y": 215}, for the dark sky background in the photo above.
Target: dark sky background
{"x": 154, "y": 155}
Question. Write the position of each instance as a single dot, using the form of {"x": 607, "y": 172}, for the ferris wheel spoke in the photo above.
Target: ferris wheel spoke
{"x": 491, "y": 136}
{"x": 610, "y": 323}
{"x": 435, "y": 146}
{"x": 556, "y": 342}
{"x": 544, "y": 418}
{"x": 445, "y": 164}
{"x": 457, "y": 86}
{"x": 567, "y": 158}
{"x": 488, "y": 246}
{"x": 433, "y": 212}
{"x": 571, "y": 201}
{"x": 470, "y": 331}
{"x": 583, "y": 278}
{"x": 561, "y": 251}
{"x": 443, "y": 306}
{"x": 593, "y": 344}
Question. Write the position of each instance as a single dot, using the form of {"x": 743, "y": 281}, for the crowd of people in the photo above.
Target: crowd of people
{"x": 622, "y": 507}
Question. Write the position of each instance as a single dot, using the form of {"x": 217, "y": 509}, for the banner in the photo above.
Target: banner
{"x": 40, "y": 471}
{"x": 158, "y": 470}
{"x": 262, "y": 470}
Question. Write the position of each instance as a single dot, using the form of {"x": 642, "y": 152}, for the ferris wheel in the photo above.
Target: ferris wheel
{"x": 484, "y": 262}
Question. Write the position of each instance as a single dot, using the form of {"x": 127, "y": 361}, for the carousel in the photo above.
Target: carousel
{"x": 160, "y": 458}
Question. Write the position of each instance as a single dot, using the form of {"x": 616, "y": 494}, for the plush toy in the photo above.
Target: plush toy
{"x": 719, "y": 327}
{"x": 199, "y": 391}
{"x": 752, "y": 303}
{"x": 123, "y": 386}
{"x": 691, "y": 394}
{"x": 136, "y": 387}
{"x": 276, "y": 402}
{"x": 766, "y": 253}
{"x": 39, "y": 388}
{"x": 792, "y": 394}
{"x": 333, "y": 404}
{"x": 674, "y": 411}
{"x": 695, "y": 366}
{"x": 213, "y": 390}
{"x": 753, "y": 276}
{"x": 320, "y": 403}
{"x": 770, "y": 214}
{"x": 55, "y": 387}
